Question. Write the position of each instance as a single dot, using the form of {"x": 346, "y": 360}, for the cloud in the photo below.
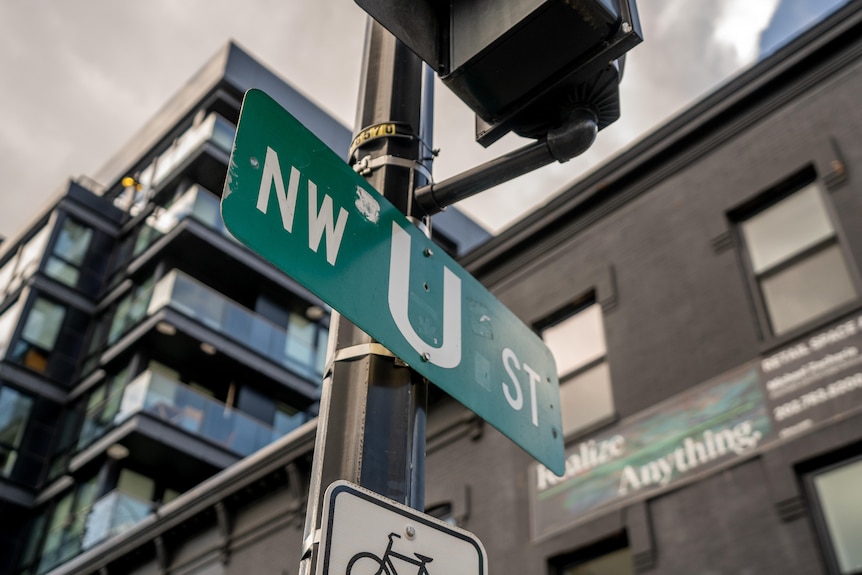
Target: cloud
{"x": 740, "y": 25}
{"x": 689, "y": 49}
{"x": 81, "y": 77}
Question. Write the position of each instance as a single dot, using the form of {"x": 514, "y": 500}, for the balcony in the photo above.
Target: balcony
{"x": 213, "y": 129}
{"x": 111, "y": 515}
{"x": 81, "y": 529}
{"x": 181, "y": 406}
{"x": 23, "y": 263}
{"x": 175, "y": 403}
{"x": 197, "y": 203}
{"x": 301, "y": 349}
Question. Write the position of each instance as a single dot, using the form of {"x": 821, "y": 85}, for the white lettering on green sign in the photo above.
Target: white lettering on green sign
{"x": 516, "y": 402}
{"x": 367, "y": 261}
{"x": 445, "y": 354}
{"x": 319, "y": 222}
{"x": 448, "y": 353}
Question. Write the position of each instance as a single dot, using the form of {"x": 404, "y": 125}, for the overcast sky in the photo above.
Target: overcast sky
{"x": 79, "y": 78}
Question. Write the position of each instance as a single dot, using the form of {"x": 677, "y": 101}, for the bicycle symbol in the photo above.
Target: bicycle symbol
{"x": 375, "y": 565}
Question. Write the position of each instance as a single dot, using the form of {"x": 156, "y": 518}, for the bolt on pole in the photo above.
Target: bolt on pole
{"x": 371, "y": 427}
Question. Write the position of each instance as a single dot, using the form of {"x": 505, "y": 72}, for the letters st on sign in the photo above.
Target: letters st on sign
{"x": 296, "y": 203}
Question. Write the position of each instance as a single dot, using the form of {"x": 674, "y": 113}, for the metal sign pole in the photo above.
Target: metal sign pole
{"x": 371, "y": 427}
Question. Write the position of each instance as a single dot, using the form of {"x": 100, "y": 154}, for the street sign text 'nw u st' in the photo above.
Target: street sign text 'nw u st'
{"x": 296, "y": 203}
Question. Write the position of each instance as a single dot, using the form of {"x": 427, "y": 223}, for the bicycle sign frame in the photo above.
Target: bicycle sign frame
{"x": 357, "y": 521}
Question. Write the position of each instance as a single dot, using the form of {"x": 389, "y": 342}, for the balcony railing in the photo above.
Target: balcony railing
{"x": 183, "y": 407}
{"x": 87, "y": 526}
{"x": 23, "y": 263}
{"x": 214, "y": 129}
{"x": 197, "y": 203}
{"x": 185, "y": 295}
{"x": 111, "y": 515}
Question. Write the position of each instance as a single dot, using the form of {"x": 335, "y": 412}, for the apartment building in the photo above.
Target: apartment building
{"x": 143, "y": 348}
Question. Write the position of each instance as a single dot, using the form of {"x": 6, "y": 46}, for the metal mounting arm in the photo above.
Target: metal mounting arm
{"x": 561, "y": 145}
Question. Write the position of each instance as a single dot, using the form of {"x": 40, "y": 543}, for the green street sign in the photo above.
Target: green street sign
{"x": 292, "y": 200}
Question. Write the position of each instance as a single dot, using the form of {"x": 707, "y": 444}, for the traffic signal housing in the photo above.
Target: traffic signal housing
{"x": 520, "y": 65}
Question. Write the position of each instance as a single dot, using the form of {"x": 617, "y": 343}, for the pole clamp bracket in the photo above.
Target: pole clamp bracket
{"x": 365, "y": 165}
{"x": 309, "y": 543}
{"x": 361, "y": 350}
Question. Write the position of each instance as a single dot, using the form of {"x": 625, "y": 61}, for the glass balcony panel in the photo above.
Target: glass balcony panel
{"x": 162, "y": 293}
{"x": 250, "y": 437}
{"x": 292, "y": 349}
{"x": 260, "y": 336}
{"x": 6, "y": 273}
{"x": 176, "y": 403}
{"x": 287, "y": 419}
{"x": 197, "y": 202}
{"x": 238, "y": 321}
{"x": 163, "y": 220}
{"x": 131, "y": 310}
{"x": 30, "y": 256}
{"x": 223, "y": 134}
{"x": 111, "y": 515}
{"x": 195, "y": 411}
{"x": 201, "y": 304}
{"x": 134, "y": 397}
{"x": 205, "y": 208}
{"x": 8, "y": 321}
{"x": 276, "y": 342}
{"x": 214, "y": 128}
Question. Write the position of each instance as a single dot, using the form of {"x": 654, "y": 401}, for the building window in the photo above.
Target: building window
{"x": 578, "y": 345}
{"x": 129, "y": 311}
{"x": 14, "y": 414}
{"x": 60, "y": 530}
{"x": 286, "y": 419}
{"x": 614, "y": 563}
{"x": 100, "y": 408}
{"x": 839, "y": 514}
{"x": 608, "y": 557}
{"x": 39, "y": 334}
{"x": 796, "y": 259}
{"x": 70, "y": 249}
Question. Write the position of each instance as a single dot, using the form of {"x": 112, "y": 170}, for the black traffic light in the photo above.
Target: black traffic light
{"x": 521, "y": 65}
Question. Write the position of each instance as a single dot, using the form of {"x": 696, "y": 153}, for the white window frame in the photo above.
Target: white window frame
{"x": 828, "y": 515}
{"x": 581, "y": 326}
{"x": 762, "y": 268}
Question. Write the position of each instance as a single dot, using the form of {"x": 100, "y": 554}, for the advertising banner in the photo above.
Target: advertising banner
{"x": 795, "y": 389}
{"x": 814, "y": 380}
{"x": 693, "y": 431}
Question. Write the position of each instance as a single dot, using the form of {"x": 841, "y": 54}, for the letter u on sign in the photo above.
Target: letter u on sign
{"x": 449, "y": 353}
